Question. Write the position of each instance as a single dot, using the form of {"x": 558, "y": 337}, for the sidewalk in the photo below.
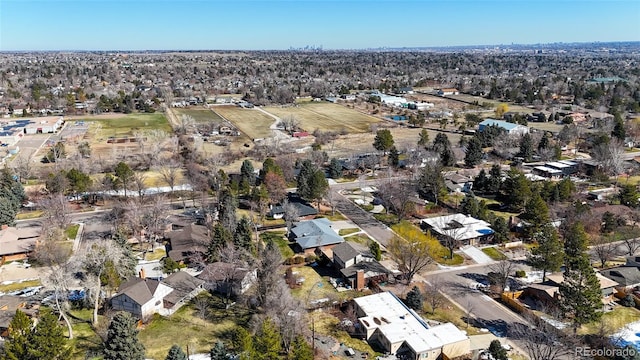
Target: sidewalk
{"x": 476, "y": 254}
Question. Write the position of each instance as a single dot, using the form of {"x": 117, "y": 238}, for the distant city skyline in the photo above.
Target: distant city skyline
{"x": 27, "y": 25}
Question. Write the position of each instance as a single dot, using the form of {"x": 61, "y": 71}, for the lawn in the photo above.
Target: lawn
{"x": 335, "y": 217}
{"x": 439, "y": 253}
{"x": 613, "y": 320}
{"x": 19, "y": 285}
{"x": 253, "y": 122}
{"x": 327, "y": 117}
{"x": 157, "y": 254}
{"x": 494, "y": 253}
{"x": 449, "y": 312}
{"x": 345, "y": 232}
{"x": 278, "y": 238}
{"x": 128, "y": 124}
{"x": 23, "y": 215}
{"x": 200, "y": 115}
{"x": 359, "y": 238}
{"x": 72, "y": 231}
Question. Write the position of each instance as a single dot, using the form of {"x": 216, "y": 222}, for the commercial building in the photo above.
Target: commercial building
{"x": 510, "y": 128}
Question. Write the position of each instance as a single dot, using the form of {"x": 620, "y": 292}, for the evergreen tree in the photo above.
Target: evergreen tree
{"x": 547, "y": 256}
{"x": 246, "y": 173}
{"x": 618, "y": 128}
{"x": 481, "y": 182}
{"x": 526, "y": 147}
{"x": 374, "y": 247}
{"x": 544, "y": 143}
{"x": 629, "y": 195}
{"x": 219, "y": 351}
{"x": 447, "y": 157}
{"x": 497, "y": 351}
{"x": 220, "y": 236}
{"x": 536, "y": 213}
{"x": 11, "y": 189}
{"x": 17, "y": 345}
{"x": 495, "y": 179}
{"x": 383, "y": 140}
{"x": 227, "y": 209}
{"x": 242, "y": 235}
{"x": 335, "y": 169}
{"x": 517, "y": 190}
{"x": 431, "y": 182}
{"x": 243, "y": 344}
{"x": 317, "y": 186}
{"x": 176, "y": 353}
{"x": 268, "y": 342}
{"x": 394, "y": 157}
{"x": 501, "y": 229}
{"x": 307, "y": 169}
{"x": 300, "y": 349}
{"x": 122, "y": 339}
{"x": 269, "y": 166}
{"x": 47, "y": 340}
{"x": 414, "y": 299}
{"x": 7, "y": 212}
{"x": 470, "y": 205}
{"x": 423, "y": 139}
{"x": 473, "y": 155}
{"x": 580, "y": 290}
{"x": 124, "y": 176}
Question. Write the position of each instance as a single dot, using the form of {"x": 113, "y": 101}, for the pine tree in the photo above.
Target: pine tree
{"x": 394, "y": 157}
{"x": 495, "y": 179}
{"x": 300, "y": 349}
{"x": 470, "y": 205}
{"x": 176, "y": 353}
{"x": 447, "y": 157}
{"x": 547, "y": 256}
{"x": 220, "y": 236}
{"x": 497, "y": 351}
{"x": 414, "y": 299}
{"x": 47, "y": 340}
{"x": 423, "y": 140}
{"x": 242, "y": 235}
{"x": 580, "y": 291}
{"x": 517, "y": 190}
{"x": 383, "y": 140}
{"x": 247, "y": 173}
{"x": 227, "y": 209}
{"x": 219, "y": 351}
{"x": 302, "y": 181}
{"x": 268, "y": 342}
{"x": 122, "y": 339}
{"x": 374, "y": 247}
{"x": 335, "y": 169}
{"x": 619, "y": 131}
{"x": 536, "y": 213}
{"x": 481, "y": 182}
{"x": 526, "y": 147}
{"x": 18, "y": 343}
{"x": 473, "y": 155}
{"x": 243, "y": 344}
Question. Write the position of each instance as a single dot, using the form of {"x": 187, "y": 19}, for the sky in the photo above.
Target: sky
{"x": 28, "y": 25}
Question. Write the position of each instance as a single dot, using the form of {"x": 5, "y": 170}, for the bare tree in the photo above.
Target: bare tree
{"x": 500, "y": 272}
{"x": 542, "y": 341}
{"x": 139, "y": 185}
{"x": 632, "y": 245}
{"x": 609, "y": 156}
{"x": 291, "y": 214}
{"x": 452, "y": 237}
{"x": 96, "y": 259}
{"x": 170, "y": 171}
{"x": 51, "y": 252}
{"x": 604, "y": 250}
{"x": 290, "y": 123}
{"x": 56, "y": 210}
{"x": 412, "y": 255}
{"x": 22, "y": 166}
{"x": 432, "y": 294}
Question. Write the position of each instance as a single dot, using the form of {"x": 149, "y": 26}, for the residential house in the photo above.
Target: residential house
{"x": 303, "y": 209}
{"x": 314, "y": 235}
{"x": 510, "y": 128}
{"x": 9, "y": 304}
{"x": 387, "y": 322}
{"x": 357, "y": 265}
{"x": 547, "y": 172}
{"x": 464, "y": 229}
{"x": 626, "y": 276}
{"x": 17, "y": 243}
{"x": 185, "y": 243}
{"x": 607, "y": 286}
{"x": 144, "y": 297}
{"x": 227, "y": 278}
{"x": 457, "y": 183}
{"x": 448, "y": 91}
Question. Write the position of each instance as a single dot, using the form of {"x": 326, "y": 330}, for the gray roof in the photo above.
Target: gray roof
{"x": 182, "y": 284}
{"x": 345, "y": 251}
{"x": 370, "y": 268}
{"x": 623, "y": 275}
{"x": 187, "y": 241}
{"x": 315, "y": 233}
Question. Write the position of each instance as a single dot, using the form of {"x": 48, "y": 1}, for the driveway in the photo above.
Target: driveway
{"x": 476, "y": 254}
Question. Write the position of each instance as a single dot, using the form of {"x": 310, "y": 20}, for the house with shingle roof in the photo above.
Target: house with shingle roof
{"x": 17, "y": 243}
{"x": 191, "y": 240}
{"x": 316, "y": 234}
{"x": 510, "y": 128}
{"x": 144, "y": 297}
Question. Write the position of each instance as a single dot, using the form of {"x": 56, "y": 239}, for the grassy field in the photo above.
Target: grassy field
{"x": 200, "y": 115}
{"x": 252, "y": 122}
{"x": 278, "y": 238}
{"x": 613, "y": 320}
{"x": 19, "y": 285}
{"x": 72, "y": 231}
{"x": 326, "y": 116}
{"x": 494, "y": 253}
{"x": 127, "y": 125}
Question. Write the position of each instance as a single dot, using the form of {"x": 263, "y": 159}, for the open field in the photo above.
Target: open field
{"x": 252, "y": 122}
{"x": 200, "y": 115}
{"x": 127, "y": 125}
{"x": 326, "y": 116}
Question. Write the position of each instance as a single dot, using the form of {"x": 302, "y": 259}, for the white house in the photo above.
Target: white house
{"x": 45, "y": 125}
{"x": 465, "y": 229}
{"x": 510, "y": 128}
{"x": 388, "y": 322}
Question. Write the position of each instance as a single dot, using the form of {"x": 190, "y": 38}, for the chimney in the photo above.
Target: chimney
{"x": 360, "y": 280}
{"x": 5, "y": 226}
{"x": 142, "y": 274}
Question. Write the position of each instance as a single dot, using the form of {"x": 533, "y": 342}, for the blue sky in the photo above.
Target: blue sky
{"x": 333, "y": 24}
